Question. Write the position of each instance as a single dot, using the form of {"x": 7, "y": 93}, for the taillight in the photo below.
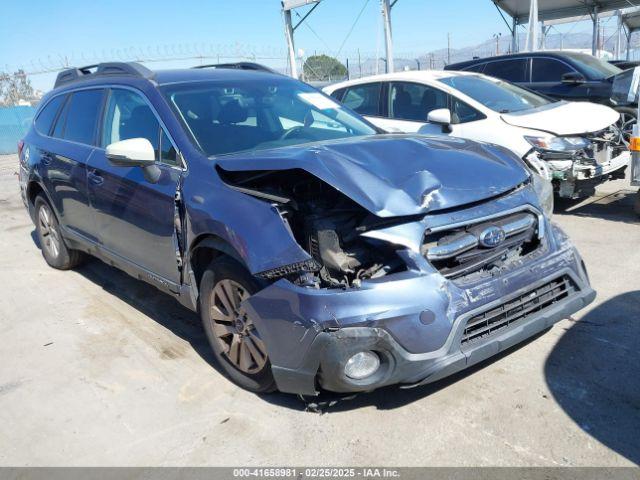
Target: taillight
{"x": 20, "y": 147}
{"x": 634, "y": 144}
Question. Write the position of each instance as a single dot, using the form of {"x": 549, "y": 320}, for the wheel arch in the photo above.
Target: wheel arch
{"x": 204, "y": 250}
{"x": 35, "y": 188}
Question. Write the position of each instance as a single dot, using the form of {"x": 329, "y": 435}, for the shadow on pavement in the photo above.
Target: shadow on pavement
{"x": 617, "y": 207}
{"x": 158, "y": 306}
{"x": 593, "y": 373}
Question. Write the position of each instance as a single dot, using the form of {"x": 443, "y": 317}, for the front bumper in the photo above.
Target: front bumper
{"x": 576, "y": 179}
{"x": 415, "y": 322}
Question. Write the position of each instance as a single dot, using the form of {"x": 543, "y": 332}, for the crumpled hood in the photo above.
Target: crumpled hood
{"x": 565, "y": 118}
{"x": 396, "y": 175}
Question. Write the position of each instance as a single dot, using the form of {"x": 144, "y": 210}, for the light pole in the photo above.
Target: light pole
{"x": 497, "y": 37}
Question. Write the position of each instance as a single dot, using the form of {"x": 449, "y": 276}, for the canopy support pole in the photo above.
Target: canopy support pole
{"x": 288, "y": 31}
{"x": 388, "y": 40}
{"x": 596, "y": 28}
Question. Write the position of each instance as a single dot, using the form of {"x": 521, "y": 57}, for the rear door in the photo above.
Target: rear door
{"x": 514, "y": 70}
{"x": 365, "y": 99}
{"x": 134, "y": 217}
{"x": 64, "y": 155}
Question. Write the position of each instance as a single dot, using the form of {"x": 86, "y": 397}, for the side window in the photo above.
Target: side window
{"x": 475, "y": 68}
{"x": 548, "y": 70}
{"x": 338, "y": 93}
{"x": 127, "y": 116}
{"x": 168, "y": 152}
{"x": 82, "y": 116}
{"x": 412, "y": 101}
{"x": 464, "y": 113}
{"x": 364, "y": 99}
{"x": 45, "y": 118}
{"x": 59, "y": 127}
{"x": 510, "y": 70}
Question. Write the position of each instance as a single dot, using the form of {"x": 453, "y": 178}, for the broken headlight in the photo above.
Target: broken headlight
{"x": 544, "y": 191}
{"x": 558, "y": 144}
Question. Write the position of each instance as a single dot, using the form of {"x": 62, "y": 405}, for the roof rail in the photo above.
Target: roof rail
{"x": 102, "y": 69}
{"x": 240, "y": 66}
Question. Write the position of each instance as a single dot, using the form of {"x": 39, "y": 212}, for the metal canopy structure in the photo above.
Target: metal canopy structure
{"x": 631, "y": 20}
{"x": 557, "y": 11}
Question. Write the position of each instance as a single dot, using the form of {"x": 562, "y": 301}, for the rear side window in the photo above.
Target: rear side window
{"x": 364, "y": 99}
{"x": 45, "y": 119}
{"x": 475, "y": 68}
{"x": 511, "y": 70}
{"x": 338, "y": 93}
{"x": 548, "y": 70}
{"x": 82, "y": 116}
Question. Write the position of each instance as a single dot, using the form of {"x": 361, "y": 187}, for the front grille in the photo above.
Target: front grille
{"x": 463, "y": 251}
{"x": 487, "y": 323}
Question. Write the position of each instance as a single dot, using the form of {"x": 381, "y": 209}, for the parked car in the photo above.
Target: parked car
{"x": 625, "y": 64}
{"x": 576, "y": 145}
{"x": 319, "y": 253}
{"x": 560, "y": 75}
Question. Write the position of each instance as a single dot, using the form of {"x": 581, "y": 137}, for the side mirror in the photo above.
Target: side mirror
{"x": 135, "y": 152}
{"x": 441, "y": 116}
{"x": 573, "y": 78}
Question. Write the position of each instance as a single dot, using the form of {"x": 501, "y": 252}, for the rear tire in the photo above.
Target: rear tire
{"x": 54, "y": 249}
{"x": 236, "y": 344}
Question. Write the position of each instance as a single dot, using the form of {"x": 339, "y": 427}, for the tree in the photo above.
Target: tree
{"x": 14, "y": 88}
{"x": 323, "y": 68}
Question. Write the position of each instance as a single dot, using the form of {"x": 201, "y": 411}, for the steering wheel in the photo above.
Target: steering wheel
{"x": 290, "y": 132}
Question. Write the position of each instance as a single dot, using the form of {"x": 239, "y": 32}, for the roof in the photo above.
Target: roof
{"x": 417, "y": 75}
{"x": 107, "y": 72}
{"x": 163, "y": 77}
{"x": 538, "y": 53}
{"x": 555, "y": 9}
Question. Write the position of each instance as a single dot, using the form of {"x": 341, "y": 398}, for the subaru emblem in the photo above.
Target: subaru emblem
{"x": 491, "y": 237}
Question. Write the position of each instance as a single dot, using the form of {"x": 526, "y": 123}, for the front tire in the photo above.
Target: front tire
{"x": 235, "y": 342}
{"x": 627, "y": 121}
{"x": 54, "y": 250}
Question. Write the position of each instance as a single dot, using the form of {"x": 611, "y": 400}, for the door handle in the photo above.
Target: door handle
{"x": 94, "y": 177}
{"x": 46, "y": 159}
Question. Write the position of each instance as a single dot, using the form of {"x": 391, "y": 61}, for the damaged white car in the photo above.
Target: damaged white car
{"x": 576, "y": 145}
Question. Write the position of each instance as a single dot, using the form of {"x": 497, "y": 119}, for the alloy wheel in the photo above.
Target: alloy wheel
{"x": 48, "y": 231}
{"x": 233, "y": 329}
{"x": 625, "y": 124}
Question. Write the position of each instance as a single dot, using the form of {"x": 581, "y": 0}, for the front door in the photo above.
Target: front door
{"x": 135, "y": 217}
{"x": 408, "y": 105}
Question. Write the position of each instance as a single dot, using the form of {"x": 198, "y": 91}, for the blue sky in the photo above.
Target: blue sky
{"x": 37, "y": 34}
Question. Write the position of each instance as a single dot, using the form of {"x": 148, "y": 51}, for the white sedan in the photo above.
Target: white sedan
{"x": 577, "y": 145}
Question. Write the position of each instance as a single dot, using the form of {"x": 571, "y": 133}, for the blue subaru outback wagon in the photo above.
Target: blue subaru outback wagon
{"x": 320, "y": 253}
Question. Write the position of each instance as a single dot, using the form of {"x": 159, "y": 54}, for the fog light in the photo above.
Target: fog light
{"x": 362, "y": 365}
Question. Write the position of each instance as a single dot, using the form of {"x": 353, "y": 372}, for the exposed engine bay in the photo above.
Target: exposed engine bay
{"x": 326, "y": 223}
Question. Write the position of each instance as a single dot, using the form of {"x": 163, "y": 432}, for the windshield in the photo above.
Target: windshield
{"x": 592, "y": 67}
{"x": 231, "y": 116}
{"x": 500, "y": 96}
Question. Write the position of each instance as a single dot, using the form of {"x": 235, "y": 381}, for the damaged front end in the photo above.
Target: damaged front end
{"x": 576, "y": 165}
{"x": 403, "y": 284}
